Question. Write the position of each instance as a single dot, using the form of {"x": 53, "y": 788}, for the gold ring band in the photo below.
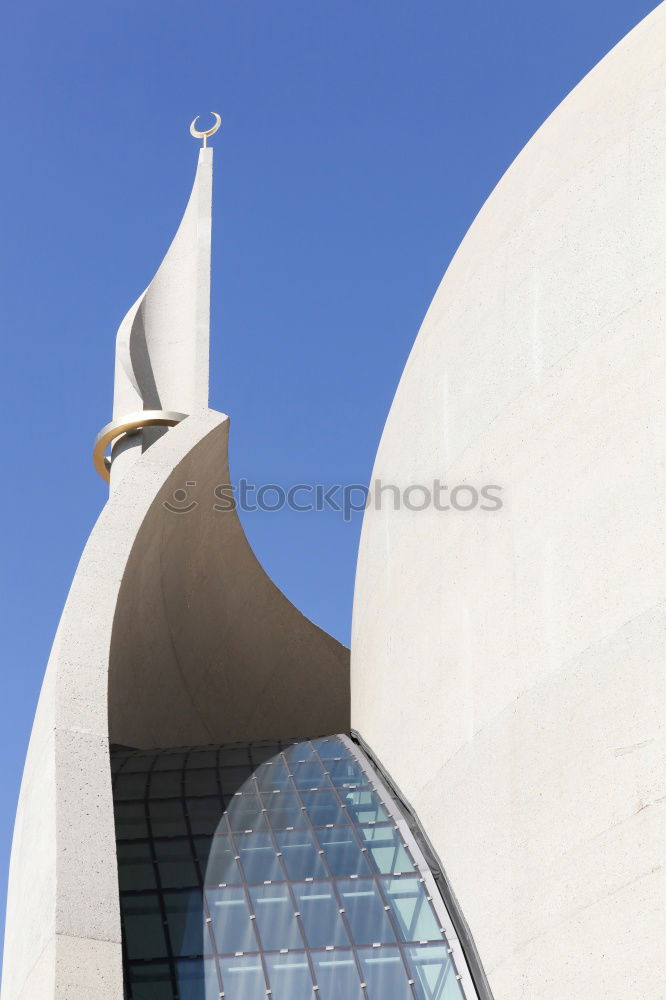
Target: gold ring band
{"x": 128, "y": 425}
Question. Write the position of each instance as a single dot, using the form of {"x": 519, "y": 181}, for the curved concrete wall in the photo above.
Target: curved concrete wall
{"x": 507, "y": 666}
{"x": 142, "y": 645}
{"x": 162, "y": 344}
{"x": 205, "y": 648}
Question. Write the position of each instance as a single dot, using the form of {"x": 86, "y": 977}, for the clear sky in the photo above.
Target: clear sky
{"x": 359, "y": 140}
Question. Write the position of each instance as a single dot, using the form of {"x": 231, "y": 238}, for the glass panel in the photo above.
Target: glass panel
{"x": 384, "y": 974}
{"x": 201, "y": 781}
{"x": 433, "y": 973}
{"x": 320, "y": 913}
{"x": 196, "y": 978}
{"x": 130, "y": 786}
{"x": 386, "y": 849}
{"x": 283, "y": 810}
{"x": 337, "y": 975}
{"x": 290, "y": 977}
{"x": 364, "y": 806}
{"x": 230, "y": 918}
{"x": 184, "y": 914}
{"x": 139, "y": 762}
{"x": 298, "y": 751}
{"x": 309, "y": 775}
{"x": 365, "y": 911}
{"x": 166, "y": 784}
{"x": 323, "y": 808}
{"x": 342, "y": 852}
{"x": 414, "y": 915}
{"x": 272, "y": 776}
{"x": 244, "y": 813}
{"x": 135, "y": 867}
{"x": 345, "y": 773}
{"x": 330, "y": 748}
{"x": 202, "y": 847}
{"x": 169, "y": 760}
{"x": 176, "y": 864}
{"x": 118, "y": 760}
{"x": 300, "y": 855}
{"x": 276, "y": 920}
{"x": 130, "y": 820}
{"x": 167, "y": 819}
{"x": 151, "y": 981}
{"x": 332, "y": 925}
{"x": 261, "y": 752}
{"x": 221, "y": 865}
{"x": 242, "y": 978}
{"x": 234, "y": 756}
{"x": 258, "y": 858}
{"x": 235, "y": 779}
{"x": 204, "y": 815}
{"x": 202, "y": 758}
{"x": 144, "y": 931}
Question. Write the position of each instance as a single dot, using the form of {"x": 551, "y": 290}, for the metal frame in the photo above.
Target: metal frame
{"x": 251, "y": 753}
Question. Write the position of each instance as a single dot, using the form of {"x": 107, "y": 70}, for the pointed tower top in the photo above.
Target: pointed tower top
{"x": 161, "y": 372}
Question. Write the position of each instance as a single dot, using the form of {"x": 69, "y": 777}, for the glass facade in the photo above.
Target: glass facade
{"x": 278, "y": 870}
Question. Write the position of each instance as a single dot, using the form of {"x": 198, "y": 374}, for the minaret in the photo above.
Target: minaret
{"x": 162, "y": 344}
{"x": 172, "y": 635}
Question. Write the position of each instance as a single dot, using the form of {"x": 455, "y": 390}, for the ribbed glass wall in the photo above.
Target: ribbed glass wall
{"x": 273, "y": 870}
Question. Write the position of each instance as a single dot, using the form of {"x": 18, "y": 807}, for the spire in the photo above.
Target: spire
{"x": 162, "y": 345}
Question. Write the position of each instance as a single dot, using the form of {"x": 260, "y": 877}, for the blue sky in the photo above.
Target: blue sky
{"x": 359, "y": 140}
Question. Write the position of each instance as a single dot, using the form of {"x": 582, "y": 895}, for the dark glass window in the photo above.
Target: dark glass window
{"x": 135, "y": 866}
{"x": 270, "y": 870}
{"x": 149, "y": 980}
{"x": 176, "y": 864}
{"x": 131, "y": 821}
{"x": 166, "y": 784}
{"x": 143, "y": 926}
{"x": 167, "y": 818}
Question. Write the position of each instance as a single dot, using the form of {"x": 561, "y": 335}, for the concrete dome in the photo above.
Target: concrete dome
{"x": 507, "y": 665}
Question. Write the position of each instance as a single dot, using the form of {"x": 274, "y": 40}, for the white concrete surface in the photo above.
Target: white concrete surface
{"x": 508, "y": 667}
{"x": 162, "y": 344}
{"x": 205, "y": 648}
{"x": 63, "y": 881}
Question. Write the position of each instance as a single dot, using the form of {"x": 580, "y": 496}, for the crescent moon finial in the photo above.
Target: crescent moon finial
{"x": 208, "y": 132}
